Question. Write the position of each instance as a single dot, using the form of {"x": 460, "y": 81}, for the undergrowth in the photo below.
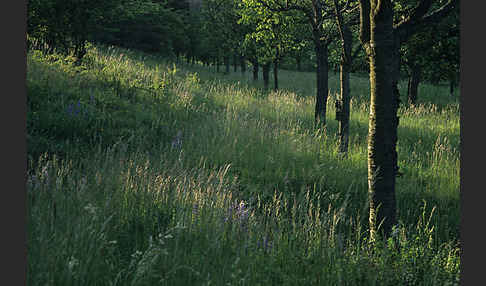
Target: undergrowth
{"x": 148, "y": 172}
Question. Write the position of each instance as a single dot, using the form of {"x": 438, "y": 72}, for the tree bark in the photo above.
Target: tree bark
{"x": 382, "y": 120}
{"x": 413, "y": 83}
{"x": 266, "y": 75}
{"x": 342, "y": 104}
{"x": 382, "y": 40}
{"x": 235, "y": 62}
{"x": 322, "y": 74}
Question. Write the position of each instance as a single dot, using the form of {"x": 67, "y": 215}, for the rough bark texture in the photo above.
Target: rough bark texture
{"x": 266, "y": 75}
{"x": 382, "y": 40}
{"x": 413, "y": 83}
{"x": 322, "y": 83}
{"x": 382, "y": 120}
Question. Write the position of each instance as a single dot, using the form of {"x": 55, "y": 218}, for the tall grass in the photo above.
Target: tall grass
{"x": 146, "y": 172}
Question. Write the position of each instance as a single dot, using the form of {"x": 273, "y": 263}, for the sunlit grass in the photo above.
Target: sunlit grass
{"x": 163, "y": 173}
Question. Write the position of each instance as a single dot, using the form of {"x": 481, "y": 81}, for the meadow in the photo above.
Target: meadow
{"x": 142, "y": 171}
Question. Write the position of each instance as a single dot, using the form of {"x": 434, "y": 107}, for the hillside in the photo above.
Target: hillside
{"x": 143, "y": 171}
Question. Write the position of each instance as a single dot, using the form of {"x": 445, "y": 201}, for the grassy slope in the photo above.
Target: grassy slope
{"x": 115, "y": 178}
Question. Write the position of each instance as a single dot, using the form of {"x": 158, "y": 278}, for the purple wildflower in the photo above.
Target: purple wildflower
{"x": 195, "y": 210}
{"x": 69, "y": 109}
{"x": 242, "y": 214}
{"x": 177, "y": 141}
{"x": 77, "y": 109}
{"x": 74, "y": 110}
{"x": 229, "y": 214}
{"x": 265, "y": 244}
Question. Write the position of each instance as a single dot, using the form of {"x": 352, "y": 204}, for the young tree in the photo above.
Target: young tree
{"x": 317, "y": 14}
{"x": 343, "y": 103}
{"x": 271, "y": 34}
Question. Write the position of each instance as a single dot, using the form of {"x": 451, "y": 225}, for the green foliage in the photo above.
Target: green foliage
{"x": 64, "y": 26}
{"x": 274, "y": 34}
{"x": 434, "y": 48}
{"x": 146, "y": 25}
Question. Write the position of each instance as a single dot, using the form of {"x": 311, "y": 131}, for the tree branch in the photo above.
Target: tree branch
{"x": 409, "y": 26}
{"x": 339, "y": 20}
{"x": 364, "y": 19}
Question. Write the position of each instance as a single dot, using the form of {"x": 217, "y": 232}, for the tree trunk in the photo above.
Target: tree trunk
{"x": 342, "y": 104}
{"x": 322, "y": 83}
{"x": 243, "y": 64}
{"x": 235, "y": 62}
{"x": 227, "y": 64}
{"x": 275, "y": 74}
{"x": 255, "y": 70}
{"x": 382, "y": 120}
{"x": 299, "y": 63}
{"x": 413, "y": 83}
{"x": 266, "y": 75}
{"x": 275, "y": 71}
{"x": 382, "y": 44}
{"x": 217, "y": 64}
{"x": 451, "y": 86}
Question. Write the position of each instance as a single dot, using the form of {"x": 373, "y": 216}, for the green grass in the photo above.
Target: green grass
{"x": 252, "y": 194}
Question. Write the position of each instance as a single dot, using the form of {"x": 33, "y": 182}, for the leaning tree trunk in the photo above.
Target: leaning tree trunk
{"x": 342, "y": 104}
{"x": 322, "y": 83}
{"x": 382, "y": 120}
{"x": 266, "y": 75}
{"x": 413, "y": 83}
